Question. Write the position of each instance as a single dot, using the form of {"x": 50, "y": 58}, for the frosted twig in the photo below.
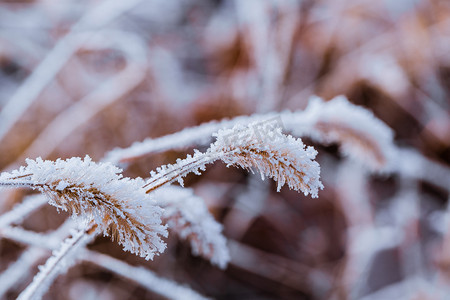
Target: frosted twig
{"x": 257, "y": 18}
{"x": 121, "y": 207}
{"x": 278, "y": 156}
{"x": 187, "y": 215}
{"x": 361, "y": 135}
{"x": 144, "y": 277}
{"x": 168, "y": 173}
{"x": 18, "y": 270}
{"x": 23, "y": 236}
{"x": 57, "y": 263}
{"x": 199, "y": 136}
{"x": 56, "y": 59}
{"x": 42, "y": 240}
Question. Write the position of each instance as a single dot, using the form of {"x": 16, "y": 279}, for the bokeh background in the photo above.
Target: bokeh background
{"x": 84, "y": 77}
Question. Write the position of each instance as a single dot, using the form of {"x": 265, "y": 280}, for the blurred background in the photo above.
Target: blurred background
{"x": 84, "y": 77}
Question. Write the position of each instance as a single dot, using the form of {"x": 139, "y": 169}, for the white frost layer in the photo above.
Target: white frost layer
{"x": 189, "y": 217}
{"x": 338, "y": 111}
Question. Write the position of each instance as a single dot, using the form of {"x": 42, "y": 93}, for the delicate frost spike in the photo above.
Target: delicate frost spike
{"x": 276, "y": 155}
{"x": 169, "y": 173}
{"x": 360, "y": 134}
{"x": 187, "y": 215}
{"x": 198, "y": 135}
{"x": 96, "y": 191}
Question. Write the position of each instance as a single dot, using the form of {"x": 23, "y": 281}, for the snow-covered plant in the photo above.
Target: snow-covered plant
{"x": 361, "y": 135}
{"x": 131, "y": 211}
{"x": 98, "y": 193}
{"x": 278, "y": 156}
{"x": 60, "y": 261}
{"x": 231, "y": 79}
{"x": 137, "y": 213}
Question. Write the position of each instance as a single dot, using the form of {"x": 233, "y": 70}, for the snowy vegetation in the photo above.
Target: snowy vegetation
{"x": 194, "y": 149}
{"x": 131, "y": 211}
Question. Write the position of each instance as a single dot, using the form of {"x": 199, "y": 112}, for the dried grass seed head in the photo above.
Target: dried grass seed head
{"x": 98, "y": 192}
{"x": 276, "y": 155}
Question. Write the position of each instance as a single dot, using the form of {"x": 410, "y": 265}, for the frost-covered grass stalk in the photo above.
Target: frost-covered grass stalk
{"x": 139, "y": 213}
{"x": 278, "y": 156}
{"x": 86, "y": 76}
{"x": 60, "y": 261}
{"x": 361, "y": 136}
{"x": 98, "y": 193}
{"x": 133, "y": 211}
